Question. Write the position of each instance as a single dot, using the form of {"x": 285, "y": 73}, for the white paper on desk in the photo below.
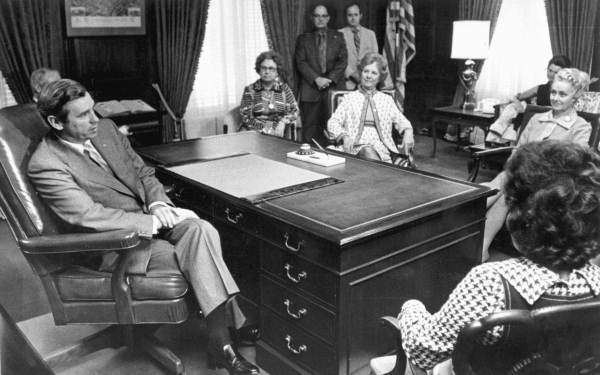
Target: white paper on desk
{"x": 319, "y": 158}
{"x": 246, "y": 175}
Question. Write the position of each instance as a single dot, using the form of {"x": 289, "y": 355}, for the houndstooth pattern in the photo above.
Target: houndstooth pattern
{"x": 430, "y": 338}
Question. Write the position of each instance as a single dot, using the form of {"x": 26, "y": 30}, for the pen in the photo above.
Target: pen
{"x": 320, "y": 147}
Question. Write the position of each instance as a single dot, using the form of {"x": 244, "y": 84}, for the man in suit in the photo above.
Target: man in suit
{"x": 359, "y": 42}
{"x": 88, "y": 174}
{"x": 321, "y": 59}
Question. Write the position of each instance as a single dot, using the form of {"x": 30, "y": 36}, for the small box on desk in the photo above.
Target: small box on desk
{"x": 319, "y": 158}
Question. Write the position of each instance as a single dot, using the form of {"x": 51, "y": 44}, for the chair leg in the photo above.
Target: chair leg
{"x": 110, "y": 337}
{"x": 150, "y": 345}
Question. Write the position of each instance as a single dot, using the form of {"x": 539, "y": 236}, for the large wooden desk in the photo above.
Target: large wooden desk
{"x": 323, "y": 265}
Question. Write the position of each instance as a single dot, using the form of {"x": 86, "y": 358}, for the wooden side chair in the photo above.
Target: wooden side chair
{"x": 135, "y": 305}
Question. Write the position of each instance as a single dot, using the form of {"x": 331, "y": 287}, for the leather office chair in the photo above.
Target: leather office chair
{"x": 135, "y": 304}
{"x": 560, "y": 339}
{"x": 497, "y": 156}
{"x": 335, "y": 97}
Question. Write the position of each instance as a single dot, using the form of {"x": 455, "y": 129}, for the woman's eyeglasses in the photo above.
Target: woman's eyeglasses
{"x": 268, "y": 68}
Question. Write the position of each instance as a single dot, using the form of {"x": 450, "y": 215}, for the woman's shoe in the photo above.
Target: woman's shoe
{"x": 246, "y": 335}
{"x": 229, "y": 359}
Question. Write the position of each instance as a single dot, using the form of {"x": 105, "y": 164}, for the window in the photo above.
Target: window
{"x": 519, "y": 51}
{"x": 235, "y": 35}
{"x": 6, "y": 96}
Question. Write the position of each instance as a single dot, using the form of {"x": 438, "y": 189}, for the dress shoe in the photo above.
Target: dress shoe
{"x": 229, "y": 359}
{"x": 246, "y": 335}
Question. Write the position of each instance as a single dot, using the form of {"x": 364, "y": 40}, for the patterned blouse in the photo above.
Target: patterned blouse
{"x": 261, "y": 106}
{"x": 430, "y": 338}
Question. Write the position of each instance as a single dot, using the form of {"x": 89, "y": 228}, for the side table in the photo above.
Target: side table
{"x": 460, "y": 117}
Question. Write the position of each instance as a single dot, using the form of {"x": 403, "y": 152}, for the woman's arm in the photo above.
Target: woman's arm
{"x": 428, "y": 338}
{"x": 527, "y": 94}
{"x": 247, "y": 110}
{"x": 402, "y": 125}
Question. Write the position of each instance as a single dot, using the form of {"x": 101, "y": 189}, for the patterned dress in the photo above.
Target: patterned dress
{"x": 355, "y": 114}
{"x": 267, "y": 107}
{"x": 429, "y": 339}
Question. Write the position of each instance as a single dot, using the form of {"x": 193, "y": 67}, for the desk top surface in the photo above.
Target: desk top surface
{"x": 373, "y": 197}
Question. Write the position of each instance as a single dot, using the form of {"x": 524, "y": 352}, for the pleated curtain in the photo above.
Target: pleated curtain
{"x": 572, "y": 29}
{"x": 284, "y": 21}
{"x": 180, "y": 30}
{"x": 31, "y": 37}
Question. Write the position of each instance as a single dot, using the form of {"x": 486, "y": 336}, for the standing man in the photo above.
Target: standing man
{"x": 359, "y": 42}
{"x": 321, "y": 58}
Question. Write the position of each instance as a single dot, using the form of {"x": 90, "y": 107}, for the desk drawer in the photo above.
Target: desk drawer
{"x": 298, "y": 310}
{"x": 238, "y": 216}
{"x": 184, "y": 195}
{"x": 297, "y": 345}
{"x": 297, "y": 274}
{"x": 301, "y": 243}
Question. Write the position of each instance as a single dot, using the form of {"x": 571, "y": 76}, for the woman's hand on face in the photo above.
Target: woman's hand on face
{"x": 347, "y": 143}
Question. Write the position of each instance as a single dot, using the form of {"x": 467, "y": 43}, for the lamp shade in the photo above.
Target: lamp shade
{"x": 470, "y": 39}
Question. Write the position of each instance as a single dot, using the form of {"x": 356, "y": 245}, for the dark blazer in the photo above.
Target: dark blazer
{"x": 87, "y": 196}
{"x": 307, "y": 63}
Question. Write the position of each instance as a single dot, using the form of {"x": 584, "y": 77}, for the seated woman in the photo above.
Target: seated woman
{"x": 268, "y": 104}
{"x": 561, "y": 123}
{"x": 552, "y": 190}
{"x": 363, "y": 121}
{"x": 540, "y": 95}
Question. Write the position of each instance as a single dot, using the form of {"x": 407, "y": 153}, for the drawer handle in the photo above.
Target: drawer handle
{"x": 235, "y": 219}
{"x": 298, "y": 315}
{"x": 301, "y": 349}
{"x": 286, "y": 238}
{"x": 301, "y": 276}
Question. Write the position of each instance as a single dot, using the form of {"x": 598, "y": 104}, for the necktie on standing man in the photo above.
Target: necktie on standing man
{"x": 356, "y": 39}
{"x": 322, "y": 45}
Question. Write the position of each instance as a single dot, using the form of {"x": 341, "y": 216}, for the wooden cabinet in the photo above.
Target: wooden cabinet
{"x": 323, "y": 265}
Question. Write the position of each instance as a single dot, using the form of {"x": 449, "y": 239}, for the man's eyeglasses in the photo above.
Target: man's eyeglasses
{"x": 268, "y": 68}
{"x": 324, "y": 16}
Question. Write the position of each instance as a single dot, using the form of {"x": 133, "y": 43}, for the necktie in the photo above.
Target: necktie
{"x": 356, "y": 40}
{"x": 91, "y": 153}
{"x": 322, "y": 44}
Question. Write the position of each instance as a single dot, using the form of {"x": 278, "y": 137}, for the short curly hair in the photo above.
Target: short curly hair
{"x": 372, "y": 57}
{"x": 277, "y": 59}
{"x": 552, "y": 191}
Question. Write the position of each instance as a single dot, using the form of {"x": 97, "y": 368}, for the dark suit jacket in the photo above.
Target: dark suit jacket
{"x": 307, "y": 62}
{"x": 85, "y": 195}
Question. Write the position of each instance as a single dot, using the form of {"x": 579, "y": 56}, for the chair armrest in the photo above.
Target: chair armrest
{"x": 80, "y": 242}
{"x": 494, "y": 151}
{"x": 394, "y": 324}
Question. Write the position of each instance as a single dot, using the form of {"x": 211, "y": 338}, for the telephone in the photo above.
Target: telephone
{"x": 487, "y": 105}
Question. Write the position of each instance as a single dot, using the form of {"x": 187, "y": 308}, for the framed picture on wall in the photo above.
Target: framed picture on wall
{"x": 105, "y": 17}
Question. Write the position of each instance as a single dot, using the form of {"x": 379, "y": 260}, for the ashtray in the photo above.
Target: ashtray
{"x": 305, "y": 149}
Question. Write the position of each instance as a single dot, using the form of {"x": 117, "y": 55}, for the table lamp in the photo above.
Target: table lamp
{"x": 470, "y": 41}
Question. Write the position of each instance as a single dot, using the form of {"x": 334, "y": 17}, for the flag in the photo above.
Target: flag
{"x": 399, "y": 44}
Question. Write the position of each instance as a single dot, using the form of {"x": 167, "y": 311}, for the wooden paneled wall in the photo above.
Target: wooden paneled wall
{"x": 432, "y": 76}
{"x": 117, "y": 67}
